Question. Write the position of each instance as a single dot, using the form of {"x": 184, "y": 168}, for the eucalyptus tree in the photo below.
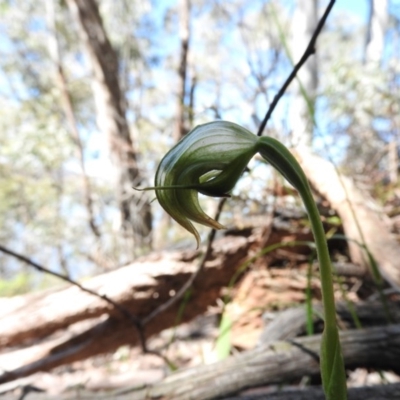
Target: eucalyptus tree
{"x": 182, "y": 112}
{"x": 112, "y": 120}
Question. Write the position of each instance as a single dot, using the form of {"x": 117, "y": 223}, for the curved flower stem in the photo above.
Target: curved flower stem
{"x": 332, "y": 366}
{"x": 210, "y": 160}
{"x": 323, "y": 258}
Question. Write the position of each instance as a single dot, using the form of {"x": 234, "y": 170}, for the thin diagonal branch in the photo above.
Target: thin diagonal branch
{"x": 310, "y": 50}
{"x": 135, "y": 321}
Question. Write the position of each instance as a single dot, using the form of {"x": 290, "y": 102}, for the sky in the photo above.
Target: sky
{"x": 357, "y": 7}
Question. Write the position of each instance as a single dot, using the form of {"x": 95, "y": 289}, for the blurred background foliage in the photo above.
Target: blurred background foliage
{"x": 234, "y": 64}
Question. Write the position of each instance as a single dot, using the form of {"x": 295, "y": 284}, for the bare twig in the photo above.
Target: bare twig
{"x": 310, "y": 50}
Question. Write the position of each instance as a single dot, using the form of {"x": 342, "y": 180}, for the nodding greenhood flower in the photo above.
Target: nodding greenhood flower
{"x": 209, "y": 160}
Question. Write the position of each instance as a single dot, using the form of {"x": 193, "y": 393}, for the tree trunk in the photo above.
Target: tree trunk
{"x": 61, "y": 83}
{"x": 111, "y": 120}
{"x": 305, "y": 20}
{"x": 184, "y": 34}
{"x": 377, "y": 26}
{"x": 84, "y": 325}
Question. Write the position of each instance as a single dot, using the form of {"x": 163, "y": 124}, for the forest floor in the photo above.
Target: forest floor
{"x": 273, "y": 282}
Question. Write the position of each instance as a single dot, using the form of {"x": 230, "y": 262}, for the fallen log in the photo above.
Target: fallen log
{"x": 277, "y": 362}
{"x": 273, "y": 363}
{"x": 378, "y": 392}
{"x": 82, "y": 325}
{"x": 140, "y": 288}
{"x": 362, "y": 218}
{"x": 109, "y": 333}
{"x": 291, "y": 322}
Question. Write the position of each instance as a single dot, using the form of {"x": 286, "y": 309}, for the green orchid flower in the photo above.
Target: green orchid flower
{"x": 210, "y": 160}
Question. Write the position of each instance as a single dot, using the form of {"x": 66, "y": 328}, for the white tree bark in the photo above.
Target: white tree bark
{"x": 305, "y": 19}
{"x": 378, "y": 22}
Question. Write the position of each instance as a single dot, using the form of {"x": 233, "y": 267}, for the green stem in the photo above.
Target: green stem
{"x": 328, "y": 298}
{"x": 332, "y": 366}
